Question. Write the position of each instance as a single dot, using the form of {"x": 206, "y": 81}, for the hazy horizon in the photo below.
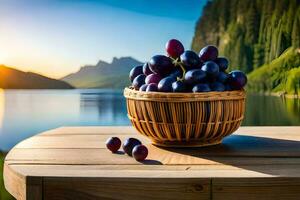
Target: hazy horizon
{"x": 76, "y": 69}
{"x": 55, "y": 38}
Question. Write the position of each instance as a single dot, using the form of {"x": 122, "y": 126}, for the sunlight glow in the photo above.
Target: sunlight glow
{"x": 2, "y": 107}
{"x": 3, "y": 56}
{"x": 56, "y": 38}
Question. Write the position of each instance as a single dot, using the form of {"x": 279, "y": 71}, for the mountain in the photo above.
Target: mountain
{"x": 14, "y": 79}
{"x": 254, "y": 34}
{"x": 103, "y": 74}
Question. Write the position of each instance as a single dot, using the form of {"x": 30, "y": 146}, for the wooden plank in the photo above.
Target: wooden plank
{"x": 34, "y": 188}
{"x": 266, "y": 130}
{"x": 20, "y": 186}
{"x": 71, "y": 141}
{"x": 46, "y": 140}
{"x": 156, "y": 157}
{"x": 235, "y": 145}
{"x": 14, "y": 183}
{"x": 102, "y": 130}
{"x": 157, "y": 171}
{"x": 130, "y": 188}
{"x": 151, "y": 172}
{"x": 255, "y": 188}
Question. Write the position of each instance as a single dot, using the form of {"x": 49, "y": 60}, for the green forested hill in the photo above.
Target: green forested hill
{"x": 279, "y": 75}
{"x": 252, "y": 34}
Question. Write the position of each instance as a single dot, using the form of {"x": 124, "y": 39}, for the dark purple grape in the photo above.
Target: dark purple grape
{"x": 190, "y": 60}
{"x": 174, "y": 48}
{"x": 194, "y": 76}
{"x": 223, "y": 63}
{"x": 113, "y": 144}
{"x": 140, "y": 152}
{"x": 139, "y": 81}
{"x": 146, "y": 69}
{"x": 208, "y": 53}
{"x": 176, "y": 73}
{"x": 129, "y": 144}
{"x": 228, "y": 87}
{"x": 189, "y": 88}
{"x": 134, "y": 72}
{"x": 202, "y": 87}
{"x": 179, "y": 86}
{"x": 153, "y": 78}
{"x": 217, "y": 86}
{"x": 222, "y": 77}
{"x": 237, "y": 79}
{"x": 161, "y": 64}
{"x": 143, "y": 87}
{"x": 152, "y": 87}
{"x": 211, "y": 69}
{"x": 165, "y": 85}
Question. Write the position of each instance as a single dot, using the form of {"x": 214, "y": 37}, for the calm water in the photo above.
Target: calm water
{"x": 26, "y": 112}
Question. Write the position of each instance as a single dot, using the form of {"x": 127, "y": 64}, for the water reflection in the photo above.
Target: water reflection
{"x": 110, "y": 106}
{"x": 271, "y": 111}
{"x": 2, "y": 103}
{"x": 26, "y": 112}
{"x": 293, "y": 109}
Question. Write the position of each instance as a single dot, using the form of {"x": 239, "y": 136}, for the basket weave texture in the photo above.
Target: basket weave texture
{"x": 185, "y": 119}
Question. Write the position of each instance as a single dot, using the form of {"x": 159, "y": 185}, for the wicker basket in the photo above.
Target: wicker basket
{"x": 185, "y": 119}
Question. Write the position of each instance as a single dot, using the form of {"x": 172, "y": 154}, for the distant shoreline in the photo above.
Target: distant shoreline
{"x": 290, "y": 96}
{"x": 278, "y": 94}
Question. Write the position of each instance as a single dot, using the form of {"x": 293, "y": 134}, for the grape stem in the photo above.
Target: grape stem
{"x": 179, "y": 63}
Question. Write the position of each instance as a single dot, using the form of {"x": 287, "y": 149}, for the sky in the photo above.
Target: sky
{"x": 57, "y": 37}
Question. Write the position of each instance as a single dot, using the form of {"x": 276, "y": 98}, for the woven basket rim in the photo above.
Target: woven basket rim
{"x": 130, "y": 93}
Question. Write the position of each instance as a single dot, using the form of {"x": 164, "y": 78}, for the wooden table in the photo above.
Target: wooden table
{"x": 73, "y": 163}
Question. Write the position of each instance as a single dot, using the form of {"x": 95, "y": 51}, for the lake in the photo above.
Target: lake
{"x": 24, "y": 113}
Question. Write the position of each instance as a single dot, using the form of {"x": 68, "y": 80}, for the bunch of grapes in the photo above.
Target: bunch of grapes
{"x": 186, "y": 71}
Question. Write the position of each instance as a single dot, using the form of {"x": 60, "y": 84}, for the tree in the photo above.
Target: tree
{"x": 296, "y": 31}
